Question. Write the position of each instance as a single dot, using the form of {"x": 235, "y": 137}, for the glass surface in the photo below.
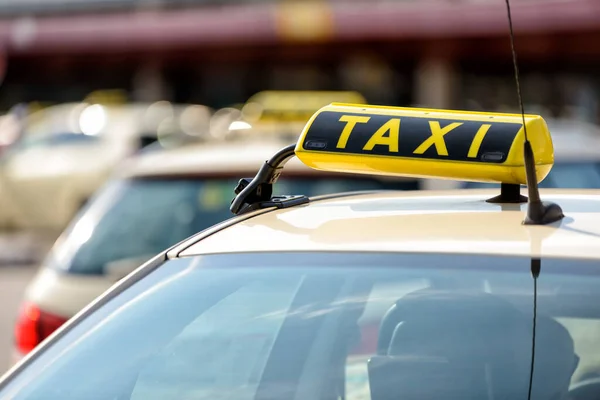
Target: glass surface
{"x": 131, "y": 221}
{"x": 330, "y": 326}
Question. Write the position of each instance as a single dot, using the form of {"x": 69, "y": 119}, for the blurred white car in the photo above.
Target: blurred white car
{"x": 156, "y": 200}
{"x": 66, "y": 152}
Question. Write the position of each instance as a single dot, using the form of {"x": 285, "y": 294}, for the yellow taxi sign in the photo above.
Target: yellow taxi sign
{"x": 107, "y": 97}
{"x": 294, "y": 105}
{"x": 421, "y": 143}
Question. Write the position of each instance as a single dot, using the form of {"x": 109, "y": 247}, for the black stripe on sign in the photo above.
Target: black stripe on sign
{"x": 326, "y": 129}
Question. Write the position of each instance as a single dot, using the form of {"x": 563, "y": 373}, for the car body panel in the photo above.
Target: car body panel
{"x": 208, "y": 158}
{"x": 454, "y": 222}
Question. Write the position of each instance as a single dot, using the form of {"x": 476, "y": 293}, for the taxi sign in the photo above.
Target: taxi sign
{"x": 295, "y": 105}
{"x": 421, "y": 143}
{"x": 107, "y": 97}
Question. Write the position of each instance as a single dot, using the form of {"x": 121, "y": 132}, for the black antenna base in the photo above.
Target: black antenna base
{"x": 538, "y": 212}
{"x": 543, "y": 213}
{"x": 509, "y": 193}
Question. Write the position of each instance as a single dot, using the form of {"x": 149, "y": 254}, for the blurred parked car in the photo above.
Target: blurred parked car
{"x": 66, "y": 152}
{"x": 154, "y": 201}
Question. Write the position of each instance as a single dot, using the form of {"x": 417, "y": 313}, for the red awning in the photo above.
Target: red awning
{"x": 276, "y": 22}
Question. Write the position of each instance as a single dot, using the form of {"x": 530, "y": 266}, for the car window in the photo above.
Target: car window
{"x": 132, "y": 220}
{"x": 584, "y": 175}
{"x": 330, "y": 326}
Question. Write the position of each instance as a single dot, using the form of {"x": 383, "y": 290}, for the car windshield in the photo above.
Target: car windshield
{"x": 354, "y": 326}
{"x": 132, "y": 220}
{"x": 572, "y": 175}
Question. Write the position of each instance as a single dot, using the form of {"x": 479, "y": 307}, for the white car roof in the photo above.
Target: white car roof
{"x": 210, "y": 158}
{"x": 458, "y": 221}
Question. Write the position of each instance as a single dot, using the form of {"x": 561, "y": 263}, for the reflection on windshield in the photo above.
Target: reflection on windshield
{"x": 137, "y": 219}
{"x": 315, "y": 325}
{"x": 563, "y": 175}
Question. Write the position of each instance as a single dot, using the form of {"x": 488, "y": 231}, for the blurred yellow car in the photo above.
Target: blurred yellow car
{"x": 278, "y": 111}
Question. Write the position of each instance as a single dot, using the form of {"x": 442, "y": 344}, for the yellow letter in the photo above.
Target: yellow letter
{"x": 437, "y": 138}
{"x": 391, "y": 141}
{"x": 350, "y": 121}
{"x": 476, "y": 143}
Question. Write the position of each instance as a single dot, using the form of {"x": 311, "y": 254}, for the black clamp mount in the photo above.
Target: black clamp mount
{"x": 256, "y": 193}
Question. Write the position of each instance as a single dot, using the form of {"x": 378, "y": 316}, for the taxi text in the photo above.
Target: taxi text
{"x": 388, "y": 135}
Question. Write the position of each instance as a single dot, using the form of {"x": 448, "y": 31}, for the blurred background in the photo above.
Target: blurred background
{"x": 87, "y": 84}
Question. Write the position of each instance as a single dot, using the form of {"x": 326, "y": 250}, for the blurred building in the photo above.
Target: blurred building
{"x": 439, "y": 53}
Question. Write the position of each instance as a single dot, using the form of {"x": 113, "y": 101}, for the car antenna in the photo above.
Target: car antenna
{"x": 538, "y": 212}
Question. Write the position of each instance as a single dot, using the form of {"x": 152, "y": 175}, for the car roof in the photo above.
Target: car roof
{"x": 456, "y": 221}
{"x": 217, "y": 158}
{"x": 207, "y": 158}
